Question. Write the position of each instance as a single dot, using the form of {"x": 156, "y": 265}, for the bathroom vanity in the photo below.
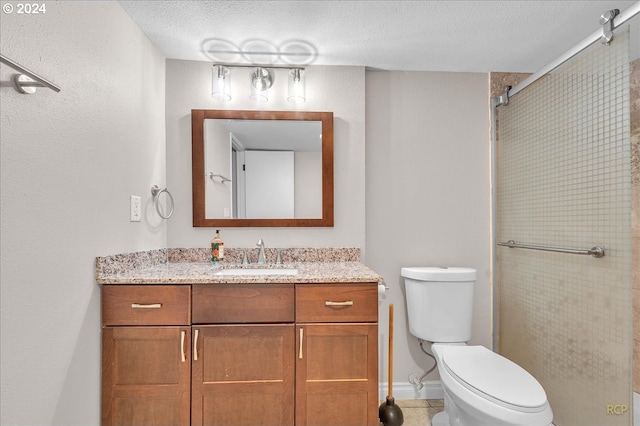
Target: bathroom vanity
{"x": 185, "y": 344}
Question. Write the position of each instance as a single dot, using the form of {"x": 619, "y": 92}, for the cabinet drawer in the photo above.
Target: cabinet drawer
{"x": 243, "y": 303}
{"x": 146, "y": 305}
{"x": 337, "y": 302}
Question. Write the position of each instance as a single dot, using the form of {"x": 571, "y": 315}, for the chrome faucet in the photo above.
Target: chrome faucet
{"x": 261, "y": 259}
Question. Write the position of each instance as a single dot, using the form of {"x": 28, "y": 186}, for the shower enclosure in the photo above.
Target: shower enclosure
{"x": 563, "y": 181}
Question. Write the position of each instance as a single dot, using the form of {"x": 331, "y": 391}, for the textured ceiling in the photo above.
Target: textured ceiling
{"x": 475, "y": 36}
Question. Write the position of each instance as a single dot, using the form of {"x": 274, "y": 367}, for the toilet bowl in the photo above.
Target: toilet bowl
{"x": 481, "y": 387}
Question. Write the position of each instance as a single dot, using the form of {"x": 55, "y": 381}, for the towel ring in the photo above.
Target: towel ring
{"x": 156, "y": 191}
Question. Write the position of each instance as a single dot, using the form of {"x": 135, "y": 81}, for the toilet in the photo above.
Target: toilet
{"x": 481, "y": 387}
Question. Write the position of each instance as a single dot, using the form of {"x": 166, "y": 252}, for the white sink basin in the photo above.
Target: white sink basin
{"x": 257, "y": 271}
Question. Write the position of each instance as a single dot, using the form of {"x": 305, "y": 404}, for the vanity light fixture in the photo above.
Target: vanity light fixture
{"x": 261, "y": 82}
{"x": 221, "y": 84}
{"x": 261, "y": 79}
{"x": 296, "y": 86}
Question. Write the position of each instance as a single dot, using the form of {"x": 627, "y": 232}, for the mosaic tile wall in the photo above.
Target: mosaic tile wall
{"x": 564, "y": 180}
{"x": 635, "y": 218}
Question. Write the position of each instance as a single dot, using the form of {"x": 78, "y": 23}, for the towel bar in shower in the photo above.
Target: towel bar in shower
{"x": 594, "y": 251}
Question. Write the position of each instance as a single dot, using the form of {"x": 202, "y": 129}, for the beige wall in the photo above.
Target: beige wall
{"x": 336, "y": 89}
{"x": 70, "y": 161}
{"x": 428, "y": 195}
{"x": 413, "y": 126}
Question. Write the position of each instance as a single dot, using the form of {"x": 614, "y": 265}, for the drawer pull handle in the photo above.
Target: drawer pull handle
{"x": 301, "y": 336}
{"x": 195, "y": 346}
{"x": 182, "y": 336}
{"x": 146, "y": 305}
{"x": 345, "y": 303}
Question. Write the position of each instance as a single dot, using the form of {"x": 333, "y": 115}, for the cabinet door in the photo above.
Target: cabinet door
{"x": 146, "y": 375}
{"x": 243, "y": 375}
{"x": 337, "y": 374}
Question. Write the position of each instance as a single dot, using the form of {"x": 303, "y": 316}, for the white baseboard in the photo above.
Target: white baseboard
{"x": 405, "y": 390}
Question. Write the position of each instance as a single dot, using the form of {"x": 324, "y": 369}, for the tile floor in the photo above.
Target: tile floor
{"x": 418, "y": 412}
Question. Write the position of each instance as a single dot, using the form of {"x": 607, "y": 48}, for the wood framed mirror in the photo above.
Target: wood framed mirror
{"x": 262, "y": 168}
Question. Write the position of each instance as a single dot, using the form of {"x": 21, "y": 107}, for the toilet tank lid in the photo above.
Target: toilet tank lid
{"x": 438, "y": 273}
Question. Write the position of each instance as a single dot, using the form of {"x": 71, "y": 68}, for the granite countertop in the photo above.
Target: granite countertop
{"x": 189, "y": 266}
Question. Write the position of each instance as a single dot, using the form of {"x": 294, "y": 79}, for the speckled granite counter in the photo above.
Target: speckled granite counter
{"x": 190, "y": 266}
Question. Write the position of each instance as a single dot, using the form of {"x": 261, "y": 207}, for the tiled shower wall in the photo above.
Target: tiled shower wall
{"x": 500, "y": 81}
{"x": 564, "y": 181}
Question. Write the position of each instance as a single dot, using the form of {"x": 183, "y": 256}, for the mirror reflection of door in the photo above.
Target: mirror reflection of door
{"x": 269, "y": 184}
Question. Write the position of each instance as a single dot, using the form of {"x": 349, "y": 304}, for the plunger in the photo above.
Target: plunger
{"x": 389, "y": 413}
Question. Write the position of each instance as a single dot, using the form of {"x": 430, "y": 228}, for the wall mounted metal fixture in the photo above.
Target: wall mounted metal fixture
{"x": 27, "y": 82}
{"x": 213, "y": 177}
{"x": 156, "y": 191}
{"x": 260, "y": 81}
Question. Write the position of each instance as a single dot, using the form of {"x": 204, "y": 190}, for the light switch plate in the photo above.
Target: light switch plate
{"x": 136, "y": 208}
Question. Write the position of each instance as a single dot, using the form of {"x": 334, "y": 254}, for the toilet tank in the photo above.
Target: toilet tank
{"x": 439, "y": 302}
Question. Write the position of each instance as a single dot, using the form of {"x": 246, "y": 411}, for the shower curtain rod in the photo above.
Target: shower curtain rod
{"x": 618, "y": 21}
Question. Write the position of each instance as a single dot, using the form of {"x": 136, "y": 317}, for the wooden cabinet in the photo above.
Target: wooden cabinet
{"x": 336, "y": 375}
{"x": 337, "y": 303}
{"x": 243, "y": 303}
{"x": 243, "y": 355}
{"x": 337, "y": 360}
{"x": 240, "y": 354}
{"x": 243, "y": 375}
{"x": 146, "y": 370}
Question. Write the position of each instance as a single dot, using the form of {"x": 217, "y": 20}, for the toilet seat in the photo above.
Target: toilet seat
{"x": 494, "y": 377}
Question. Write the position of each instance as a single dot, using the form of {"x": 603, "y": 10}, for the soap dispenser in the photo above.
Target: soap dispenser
{"x": 217, "y": 248}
